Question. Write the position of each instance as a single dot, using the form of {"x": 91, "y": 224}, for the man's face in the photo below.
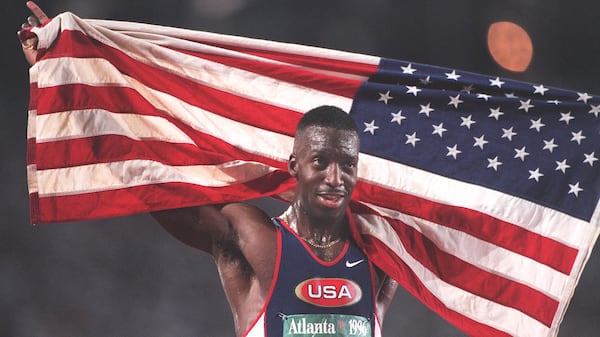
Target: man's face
{"x": 324, "y": 163}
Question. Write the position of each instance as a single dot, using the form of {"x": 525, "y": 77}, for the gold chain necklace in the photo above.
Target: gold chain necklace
{"x": 325, "y": 246}
{"x": 287, "y": 218}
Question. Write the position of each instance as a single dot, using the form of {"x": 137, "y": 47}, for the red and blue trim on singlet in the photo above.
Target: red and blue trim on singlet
{"x": 298, "y": 265}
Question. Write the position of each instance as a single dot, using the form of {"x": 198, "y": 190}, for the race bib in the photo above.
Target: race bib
{"x": 328, "y": 325}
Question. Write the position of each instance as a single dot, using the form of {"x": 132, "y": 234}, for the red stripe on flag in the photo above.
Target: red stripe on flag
{"x": 31, "y": 152}
{"x": 477, "y": 224}
{"x": 112, "y": 148}
{"x": 33, "y": 96}
{"x": 145, "y": 198}
{"x": 35, "y": 216}
{"x": 81, "y": 96}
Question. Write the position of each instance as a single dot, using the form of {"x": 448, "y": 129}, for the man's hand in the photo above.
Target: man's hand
{"x": 29, "y": 43}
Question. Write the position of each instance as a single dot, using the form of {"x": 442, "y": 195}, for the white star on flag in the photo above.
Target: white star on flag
{"x": 526, "y": 105}
{"x": 453, "y": 151}
{"x": 426, "y": 80}
{"x": 426, "y": 109}
{"x": 539, "y": 89}
{"x": 495, "y": 113}
{"x": 494, "y": 163}
{"x": 370, "y": 127}
{"x": 521, "y": 153}
{"x": 562, "y": 166}
{"x": 467, "y": 121}
{"x": 549, "y": 145}
{"x": 480, "y": 141}
{"x": 575, "y": 189}
{"x": 590, "y": 158}
{"x": 412, "y": 139}
{"x": 508, "y": 133}
{"x": 496, "y": 82}
{"x": 408, "y": 69}
{"x": 467, "y": 88}
{"x": 385, "y": 97}
{"x": 535, "y": 174}
{"x": 438, "y": 129}
{"x": 595, "y": 110}
{"x": 578, "y": 137}
{"x": 397, "y": 117}
{"x": 455, "y": 100}
{"x": 484, "y": 96}
{"x": 452, "y": 76}
{"x": 583, "y": 96}
{"x": 537, "y": 124}
{"x": 566, "y": 117}
{"x": 412, "y": 89}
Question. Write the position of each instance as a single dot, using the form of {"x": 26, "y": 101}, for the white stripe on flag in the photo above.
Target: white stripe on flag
{"x": 129, "y": 173}
{"x": 96, "y": 122}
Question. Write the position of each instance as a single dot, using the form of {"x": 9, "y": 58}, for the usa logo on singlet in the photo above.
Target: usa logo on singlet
{"x": 329, "y": 292}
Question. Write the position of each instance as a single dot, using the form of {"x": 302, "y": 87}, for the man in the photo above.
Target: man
{"x": 300, "y": 274}
{"x": 254, "y": 255}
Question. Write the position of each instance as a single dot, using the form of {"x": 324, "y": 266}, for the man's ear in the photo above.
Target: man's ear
{"x": 293, "y": 165}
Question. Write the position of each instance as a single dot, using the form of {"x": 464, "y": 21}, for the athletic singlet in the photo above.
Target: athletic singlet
{"x": 311, "y": 297}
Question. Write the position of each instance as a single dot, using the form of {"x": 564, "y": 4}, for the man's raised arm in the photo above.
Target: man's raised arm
{"x": 194, "y": 226}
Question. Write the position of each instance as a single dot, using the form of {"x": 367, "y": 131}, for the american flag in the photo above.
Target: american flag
{"x": 476, "y": 193}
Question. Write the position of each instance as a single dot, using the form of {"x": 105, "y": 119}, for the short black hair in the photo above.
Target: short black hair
{"x": 327, "y": 116}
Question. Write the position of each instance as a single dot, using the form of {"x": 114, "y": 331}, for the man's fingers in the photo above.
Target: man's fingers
{"x": 28, "y": 40}
{"x": 33, "y": 21}
{"x": 29, "y": 43}
{"x": 37, "y": 12}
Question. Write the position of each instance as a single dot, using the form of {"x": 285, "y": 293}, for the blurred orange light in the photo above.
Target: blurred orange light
{"x": 510, "y": 46}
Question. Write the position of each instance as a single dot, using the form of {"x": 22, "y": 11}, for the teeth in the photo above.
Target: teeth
{"x": 331, "y": 197}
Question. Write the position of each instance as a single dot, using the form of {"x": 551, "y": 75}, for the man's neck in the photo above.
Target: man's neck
{"x": 320, "y": 231}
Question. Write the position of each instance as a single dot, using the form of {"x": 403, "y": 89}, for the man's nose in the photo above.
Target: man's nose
{"x": 333, "y": 175}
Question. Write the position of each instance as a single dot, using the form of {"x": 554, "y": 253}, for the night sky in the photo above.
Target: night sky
{"x": 128, "y": 277}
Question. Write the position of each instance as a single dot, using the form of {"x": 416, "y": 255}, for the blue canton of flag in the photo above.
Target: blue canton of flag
{"x": 531, "y": 141}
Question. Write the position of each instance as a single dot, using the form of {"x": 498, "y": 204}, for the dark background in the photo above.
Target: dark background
{"x": 127, "y": 277}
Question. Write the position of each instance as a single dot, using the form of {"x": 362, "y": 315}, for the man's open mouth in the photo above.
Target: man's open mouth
{"x": 331, "y": 200}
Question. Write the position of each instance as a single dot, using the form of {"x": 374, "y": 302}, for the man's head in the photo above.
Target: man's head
{"x": 324, "y": 161}
{"x": 327, "y": 116}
